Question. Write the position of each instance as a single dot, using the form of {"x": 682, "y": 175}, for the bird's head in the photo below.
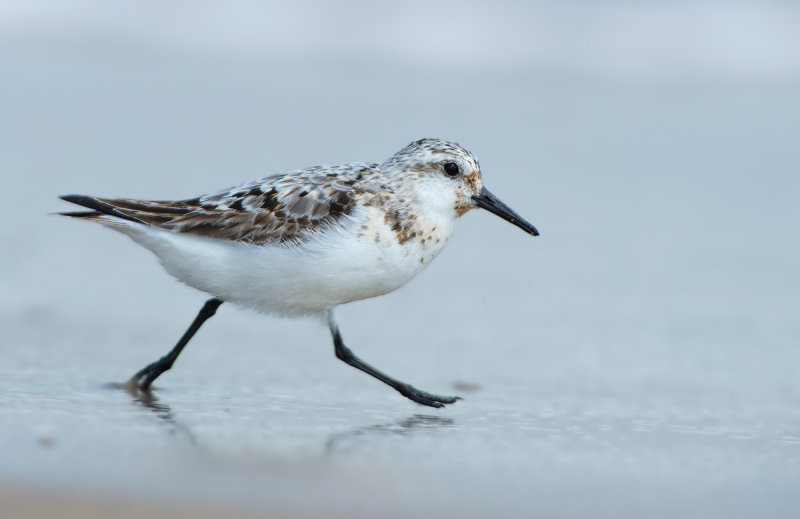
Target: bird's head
{"x": 448, "y": 178}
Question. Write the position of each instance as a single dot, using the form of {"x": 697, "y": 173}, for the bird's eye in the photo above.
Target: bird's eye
{"x": 451, "y": 169}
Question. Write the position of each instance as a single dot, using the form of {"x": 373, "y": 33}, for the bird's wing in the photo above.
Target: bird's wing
{"x": 278, "y": 209}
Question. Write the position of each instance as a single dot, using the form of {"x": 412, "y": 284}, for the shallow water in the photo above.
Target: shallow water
{"x": 640, "y": 357}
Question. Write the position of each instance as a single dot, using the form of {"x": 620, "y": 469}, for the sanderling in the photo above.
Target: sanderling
{"x": 303, "y": 242}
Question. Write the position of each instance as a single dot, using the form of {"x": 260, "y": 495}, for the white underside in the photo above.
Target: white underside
{"x": 338, "y": 265}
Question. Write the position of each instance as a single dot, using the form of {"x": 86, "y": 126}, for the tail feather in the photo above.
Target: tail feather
{"x": 82, "y": 214}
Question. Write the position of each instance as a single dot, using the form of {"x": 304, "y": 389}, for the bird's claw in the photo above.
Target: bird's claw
{"x": 428, "y": 399}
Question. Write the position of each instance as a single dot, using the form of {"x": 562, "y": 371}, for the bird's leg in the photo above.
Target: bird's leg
{"x": 145, "y": 377}
{"x": 421, "y": 397}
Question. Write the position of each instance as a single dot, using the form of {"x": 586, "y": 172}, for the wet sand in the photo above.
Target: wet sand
{"x": 46, "y": 505}
{"x": 638, "y": 359}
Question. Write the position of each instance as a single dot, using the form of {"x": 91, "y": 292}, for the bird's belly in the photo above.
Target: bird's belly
{"x": 339, "y": 265}
{"x": 336, "y": 270}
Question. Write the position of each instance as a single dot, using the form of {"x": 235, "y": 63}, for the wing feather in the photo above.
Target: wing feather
{"x": 276, "y": 209}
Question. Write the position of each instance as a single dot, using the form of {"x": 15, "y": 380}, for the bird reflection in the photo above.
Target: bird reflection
{"x": 336, "y": 443}
{"x": 145, "y": 399}
{"x": 345, "y": 441}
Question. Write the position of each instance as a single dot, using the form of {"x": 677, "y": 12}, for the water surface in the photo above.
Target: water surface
{"x": 639, "y": 358}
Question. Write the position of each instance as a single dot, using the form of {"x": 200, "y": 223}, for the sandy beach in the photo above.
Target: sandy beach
{"x": 638, "y": 359}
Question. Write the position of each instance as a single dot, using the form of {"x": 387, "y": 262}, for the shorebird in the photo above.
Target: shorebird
{"x": 303, "y": 242}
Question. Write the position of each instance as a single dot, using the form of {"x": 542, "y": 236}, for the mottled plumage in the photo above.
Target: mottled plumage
{"x": 303, "y": 242}
{"x": 275, "y": 209}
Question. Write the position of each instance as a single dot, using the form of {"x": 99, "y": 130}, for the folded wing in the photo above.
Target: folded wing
{"x": 283, "y": 208}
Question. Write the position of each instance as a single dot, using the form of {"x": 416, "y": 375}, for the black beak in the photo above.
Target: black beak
{"x": 491, "y": 203}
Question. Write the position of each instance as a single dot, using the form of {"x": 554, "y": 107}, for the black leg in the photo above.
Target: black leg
{"x": 421, "y": 397}
{"x": 145, "y": 377}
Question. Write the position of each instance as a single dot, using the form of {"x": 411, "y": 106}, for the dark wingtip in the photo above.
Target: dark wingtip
{"x": 98, "y": 206}
{"x": 85, "y": 201}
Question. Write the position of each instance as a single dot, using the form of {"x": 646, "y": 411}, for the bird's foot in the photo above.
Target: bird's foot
{"x": 425, "y": 398}
{"x": 144, "y": 378}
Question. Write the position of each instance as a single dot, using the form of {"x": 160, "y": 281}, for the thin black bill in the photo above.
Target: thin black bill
{"x": 486, "y": 200}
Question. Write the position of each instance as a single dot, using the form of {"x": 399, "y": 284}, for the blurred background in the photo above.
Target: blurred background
{"x": 639, "y": 358}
